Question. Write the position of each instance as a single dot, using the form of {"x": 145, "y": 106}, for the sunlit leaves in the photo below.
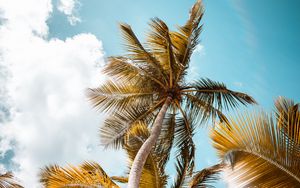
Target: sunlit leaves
{"x": 260, "y": 153}
{"x": 7, "y": 180}
{"x": 89, "y": 174}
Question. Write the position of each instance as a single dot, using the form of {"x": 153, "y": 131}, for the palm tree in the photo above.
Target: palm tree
{"x": 148, "y": 82}
{"x": 263, "y": 152}
{"x": 7, "y": 180}
{"x": 91, "y": 174}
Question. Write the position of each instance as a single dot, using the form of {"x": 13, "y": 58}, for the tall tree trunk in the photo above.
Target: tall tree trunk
{"x": 141, "y": 156}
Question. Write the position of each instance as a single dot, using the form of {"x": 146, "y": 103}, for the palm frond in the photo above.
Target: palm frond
{"x": 217, "y": 94}
{"x": 186, "y": 38}
{"x": 115, "y": 128}
{"x": 166, "y": 139}
{"x": 7, "y": 180}
{"x": 116, "y": 96}
{"x": 288, "y": 118}
{"x": 89, "y": 175}
{"x": 120, "y": 179}
{"x": 205, "y": 177}
{"x": 260, "y": 155}
{"x": 153, "y": 174}
{"x": 138, "y": 53}
{"x": 161, "y": 46}
{"x": 202, "y": 111}
{"x": 186, "y": 147}
{"x": 125, "y": 69}
{"x": 183, "y": 164}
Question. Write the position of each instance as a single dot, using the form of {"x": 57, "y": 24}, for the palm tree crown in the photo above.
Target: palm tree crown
{"x": 150, "y": 77}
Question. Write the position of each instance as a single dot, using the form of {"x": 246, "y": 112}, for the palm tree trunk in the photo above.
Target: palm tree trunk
{"x": 141, "y": 156}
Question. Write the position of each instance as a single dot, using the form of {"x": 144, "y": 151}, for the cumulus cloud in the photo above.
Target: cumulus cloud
{"x": 50, "y": 120}
{"x": 69, "y": 8}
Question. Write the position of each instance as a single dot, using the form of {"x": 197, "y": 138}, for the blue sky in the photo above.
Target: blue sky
{"x": 251, "y": 46}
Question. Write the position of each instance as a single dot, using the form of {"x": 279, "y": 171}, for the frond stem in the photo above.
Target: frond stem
{"x": 266, "y": 159}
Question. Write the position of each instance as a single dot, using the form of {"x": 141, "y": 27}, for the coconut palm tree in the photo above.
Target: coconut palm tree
{"x": 91, "y": 175}
{"x": 263, "y": 151}
{"x": 148, "y": 82}
{"x": 7, "y": 180}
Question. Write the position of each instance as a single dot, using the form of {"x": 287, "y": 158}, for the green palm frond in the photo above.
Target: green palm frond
{"x": 7, "y": 180}
{"x": 260, "y": 154}
{"x": 205, "y": 177}
{"x": 89, "y": 175}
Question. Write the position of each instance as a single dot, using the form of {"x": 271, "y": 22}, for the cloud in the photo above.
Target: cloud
{"x": 69, "y": 8}
{"x": 200, "y": 50}
{"x": 249, "y": 29}
{"x": 50, "y": 120}
{"x": 238, "y": 84}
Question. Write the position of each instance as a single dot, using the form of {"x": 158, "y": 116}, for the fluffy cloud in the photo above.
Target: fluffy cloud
{"x": 46, "y": 117}
{"x": 69, "y": 8}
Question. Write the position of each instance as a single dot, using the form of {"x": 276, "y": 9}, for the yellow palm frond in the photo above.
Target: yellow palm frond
{"x": 120, "y": 179}
{"x": 137, "y": 73}
{"x": 153, "y": 174}
{"x": 288, "y": 118}
{"x": 7, "y": 180}
{"x": 260, "y": 154}
{"x": 186, "y": 38}
{"x": 138, "y": 54}
{"x": 89, "y": 175}
{"x": 116, "y": 96}
{"x": 161, "y": 46}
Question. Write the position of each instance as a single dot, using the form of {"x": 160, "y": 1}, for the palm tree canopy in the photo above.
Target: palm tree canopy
{"x": 141, "y": 81}
{"x": 262, "y": 152}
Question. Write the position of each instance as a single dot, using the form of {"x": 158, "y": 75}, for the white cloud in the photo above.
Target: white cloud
{"x": 51, "y": 120}
{"x": 238, "y": 84}
{"x": 200, "y": 50}
{"x": 69, "y": 8}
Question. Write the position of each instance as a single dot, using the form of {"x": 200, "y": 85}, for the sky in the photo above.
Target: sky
{"x": 51, "y": 51}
